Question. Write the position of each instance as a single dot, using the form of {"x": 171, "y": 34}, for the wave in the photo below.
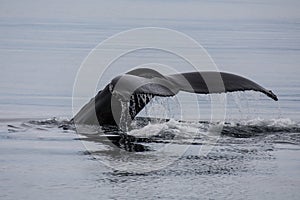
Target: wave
{"x": 245, "y": 128}
{"x": 154, "y": 130}
{"x": 256, "y": 127}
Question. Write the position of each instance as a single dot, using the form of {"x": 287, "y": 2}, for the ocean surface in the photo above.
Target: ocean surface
{"x": 256, "y": 155}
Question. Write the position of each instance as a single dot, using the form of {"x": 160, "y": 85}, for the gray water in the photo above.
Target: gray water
{"x": 256, "y": 156}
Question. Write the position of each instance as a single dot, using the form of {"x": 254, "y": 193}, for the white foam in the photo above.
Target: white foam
{"x": 178, "y": 129}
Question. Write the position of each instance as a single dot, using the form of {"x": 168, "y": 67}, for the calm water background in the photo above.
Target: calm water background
{"x": 43, "y": 45}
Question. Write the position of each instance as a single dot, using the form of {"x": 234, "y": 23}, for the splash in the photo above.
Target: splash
{"x": 125, "y": 117}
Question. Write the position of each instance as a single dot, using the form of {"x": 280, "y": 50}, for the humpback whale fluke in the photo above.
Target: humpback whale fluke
{"x": 106, "y": 107}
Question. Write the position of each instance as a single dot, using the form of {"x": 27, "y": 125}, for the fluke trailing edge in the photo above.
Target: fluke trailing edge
{"x": 137, "y": 87}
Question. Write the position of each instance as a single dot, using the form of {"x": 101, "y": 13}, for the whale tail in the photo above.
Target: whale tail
{"x": 139, "y": 86}
{"x": 206, "y": 82}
